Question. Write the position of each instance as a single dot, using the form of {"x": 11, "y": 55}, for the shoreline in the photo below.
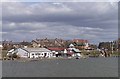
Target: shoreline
{"x": 87, "y": 58}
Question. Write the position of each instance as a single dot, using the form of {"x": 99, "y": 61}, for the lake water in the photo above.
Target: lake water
{"x": 89, "y": 67}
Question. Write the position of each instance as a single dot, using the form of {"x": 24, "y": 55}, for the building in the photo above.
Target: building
{"x": 81, "y": 43}
{"x": 1, "y": 47}
{"x": 48, "y": 43}
{"x": 39, "y": 53}
{"x": 31, "y": 52}
{"x": 7, "y": 45}
{"x": 72, "y": 51}
{"x": 57, "y": 51}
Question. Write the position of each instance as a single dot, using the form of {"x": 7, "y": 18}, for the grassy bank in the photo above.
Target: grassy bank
{"x": 4, "y": 53}
{"x": 96, "y": 53}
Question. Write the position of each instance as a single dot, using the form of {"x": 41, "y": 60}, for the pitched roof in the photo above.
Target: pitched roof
{"x": 71, "y": 45}
{"x": 11, "y": 50}
{"x": 80, "y": 40}
{"x": 76, "y": 50}
{"x": 36, "y": 49}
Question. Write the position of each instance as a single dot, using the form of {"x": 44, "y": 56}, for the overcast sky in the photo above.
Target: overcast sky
{"x": 95, "y": 22}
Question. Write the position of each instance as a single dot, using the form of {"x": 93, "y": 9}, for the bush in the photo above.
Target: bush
{"x": 93, "y": 53}
{"x": 4, "y": 53}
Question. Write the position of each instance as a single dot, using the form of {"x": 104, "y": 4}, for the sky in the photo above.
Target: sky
{"x": 93, "y": 21}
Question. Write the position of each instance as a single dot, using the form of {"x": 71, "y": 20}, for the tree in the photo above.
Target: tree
{"x": 93, "y": 46}
{"x": 111, "y": 46}
{"x": 105, "y": 45}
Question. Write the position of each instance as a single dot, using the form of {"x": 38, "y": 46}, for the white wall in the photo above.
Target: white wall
{"x": 40, "y": 54}
{"x": 22, "y": 53}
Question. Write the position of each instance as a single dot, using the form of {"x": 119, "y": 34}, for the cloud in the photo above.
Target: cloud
{"x": 90, "y": 20}
{"x": 60, "y": 1}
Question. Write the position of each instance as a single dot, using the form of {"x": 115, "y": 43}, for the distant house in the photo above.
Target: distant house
{"x": 19, "y": 51}
{"x": 81, "y": 43}
{"x": 32, "y": 52}
{"x": 57, "y": 51}
{"x": 72, "y": 51}
{"x": 35, "y": 43}
{"x": 21, "y": 44}
{"x": 7, "y": 45}
{"x": 1, "y": 47}
{"x": 62, "y": 51}
{"x": 48, "y": 42}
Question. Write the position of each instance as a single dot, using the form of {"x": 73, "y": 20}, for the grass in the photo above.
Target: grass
{"x": 4, "y": 53}
{"x": 96, "y": 53}
{"x": 116, "y": 53}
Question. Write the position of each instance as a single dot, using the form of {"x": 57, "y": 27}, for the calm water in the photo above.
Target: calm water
{"x": 90, "y": 67}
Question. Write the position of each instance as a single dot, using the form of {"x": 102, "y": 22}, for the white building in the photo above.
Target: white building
{"x": 76, "y": 51}
{"x": 1, "y": 46}
{"x": 39, "y": 53}
{"x": 1, "y": 51}
{"x": 32, "y": 52}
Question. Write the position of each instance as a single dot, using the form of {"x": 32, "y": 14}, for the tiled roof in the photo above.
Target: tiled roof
{"x": 79, "y": 40}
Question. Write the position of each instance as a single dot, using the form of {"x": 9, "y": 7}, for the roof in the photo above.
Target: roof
{"x": 76, "y": 50}
{"x": 71, "y": 45}
{"x": 35, "y": 41}
{"x": 80, "y": 40}
{"x": 56, "y": 48}
{"x": 36, "y": 49}
{"x": 11, "y": 50}
{"x": 16, "y": 43}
